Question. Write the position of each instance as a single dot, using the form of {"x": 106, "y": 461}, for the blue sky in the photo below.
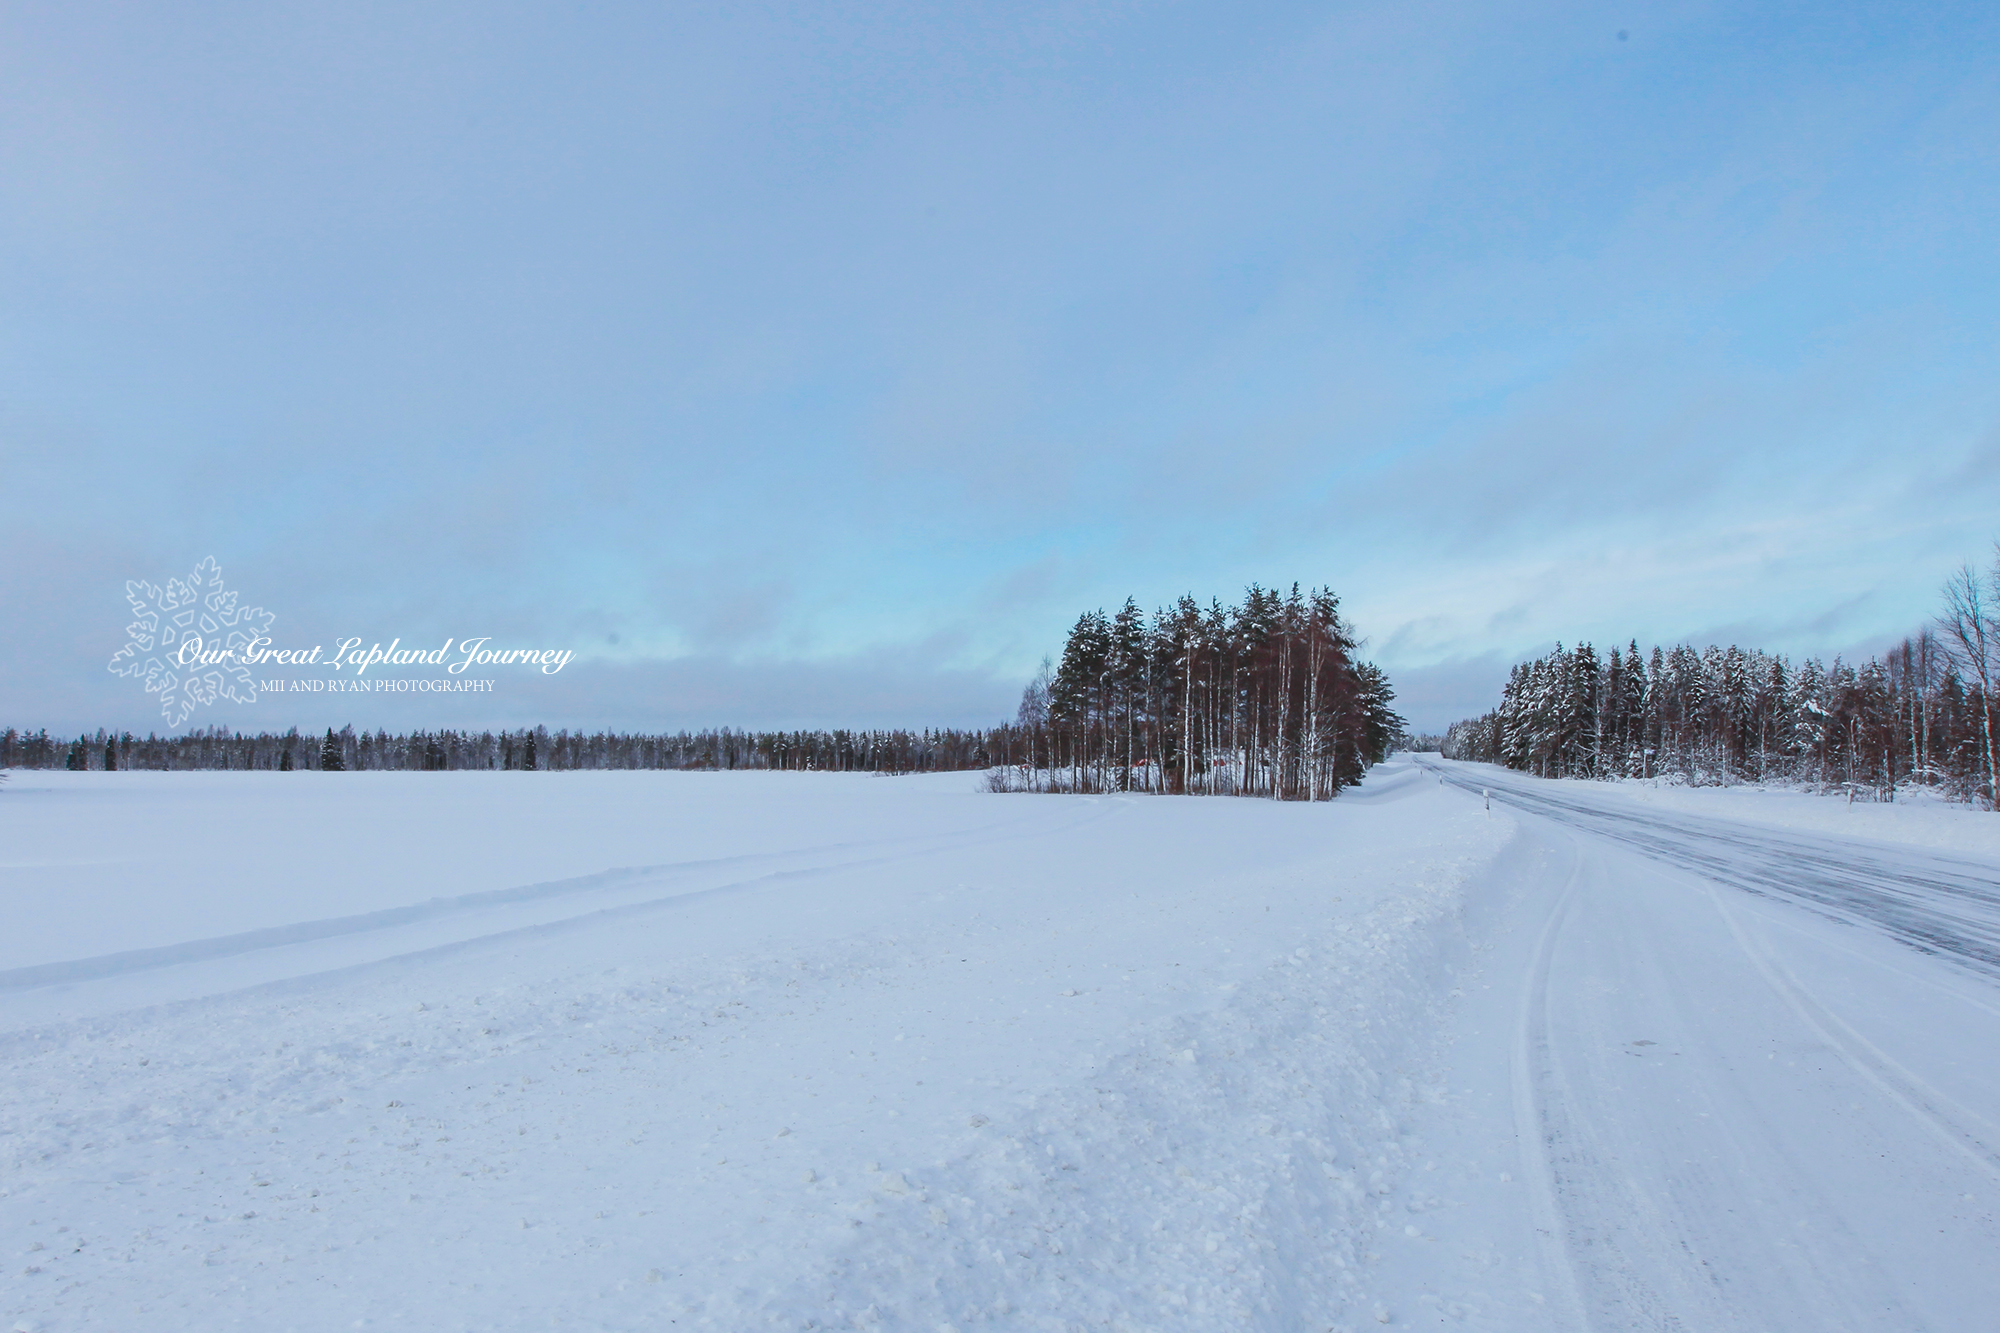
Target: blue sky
{"x": 817, "y": 364}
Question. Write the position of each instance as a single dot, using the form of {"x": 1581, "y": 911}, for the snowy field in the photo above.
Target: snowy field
{"x": 740, "y": 1051}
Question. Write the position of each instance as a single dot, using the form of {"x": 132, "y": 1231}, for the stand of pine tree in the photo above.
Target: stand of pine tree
{"x": 1262, "y": 699}
{"x": 1723, "y": 715}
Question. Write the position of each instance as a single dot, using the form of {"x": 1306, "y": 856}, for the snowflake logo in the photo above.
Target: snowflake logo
{"x": 198, "y": 613}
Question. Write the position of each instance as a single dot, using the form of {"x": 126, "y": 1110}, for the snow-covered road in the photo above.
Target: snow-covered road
{"x": 730, "y": 1051}
{"x": 1757, "y": 1067}
{"x": 1935, "y": 902}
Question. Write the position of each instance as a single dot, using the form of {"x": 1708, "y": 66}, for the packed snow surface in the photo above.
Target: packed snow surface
{"x": 1913, "y": 816}
{"x": 737, "y": 1051}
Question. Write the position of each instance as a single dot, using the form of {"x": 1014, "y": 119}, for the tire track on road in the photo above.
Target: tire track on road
{"x": 1670, "y": 1199}
{"x": 1950, "y": 908}
{"x": 1958, "y": 1127}
{"x": 1536, "y": 1134}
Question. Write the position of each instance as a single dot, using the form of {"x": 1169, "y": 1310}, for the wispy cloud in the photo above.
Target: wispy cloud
{"x": 815, "y": 336}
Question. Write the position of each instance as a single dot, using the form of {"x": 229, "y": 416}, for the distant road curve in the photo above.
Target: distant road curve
{"x": 1941, "y": 905}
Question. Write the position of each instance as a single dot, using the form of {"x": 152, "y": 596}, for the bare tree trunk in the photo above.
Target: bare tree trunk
{"x": 1969, "y": 618}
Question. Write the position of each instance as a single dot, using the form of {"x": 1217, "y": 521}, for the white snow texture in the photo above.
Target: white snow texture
{"x": 744, "y": 1051}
